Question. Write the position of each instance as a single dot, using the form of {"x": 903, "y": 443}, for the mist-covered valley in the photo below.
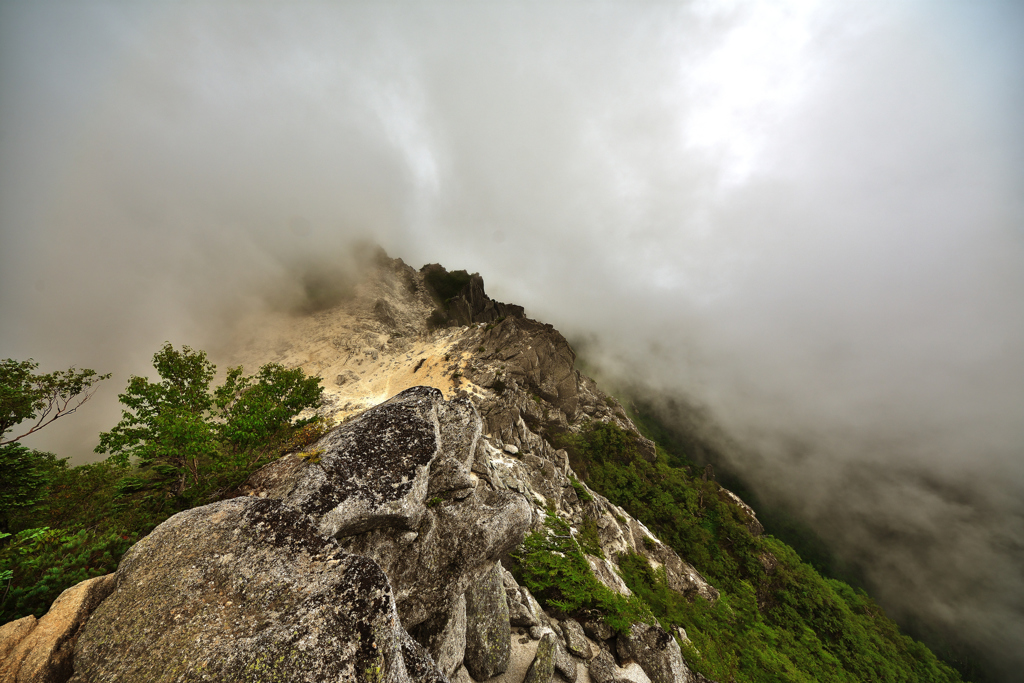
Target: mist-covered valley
{"x": 801, "y": 221}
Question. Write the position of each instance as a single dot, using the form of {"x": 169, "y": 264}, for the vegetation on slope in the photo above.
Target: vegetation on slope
{"x": 679, "y": 442}
{"x": 550, "y": 563}
{"x": 777, "y": 619}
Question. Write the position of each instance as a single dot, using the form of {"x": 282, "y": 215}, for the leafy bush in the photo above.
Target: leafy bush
{"x": 581, "y": 491}
{"x": 552, "y": 566}
{"x": 180, "y": 433}
{"x": 589, "y": 538}
{"x": 25, "y": 475}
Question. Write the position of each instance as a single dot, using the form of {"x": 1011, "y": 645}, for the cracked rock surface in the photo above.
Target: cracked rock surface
{"x": 247, "y": 590}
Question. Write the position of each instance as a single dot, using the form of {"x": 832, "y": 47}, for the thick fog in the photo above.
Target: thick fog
{"x": 806, "y": 218}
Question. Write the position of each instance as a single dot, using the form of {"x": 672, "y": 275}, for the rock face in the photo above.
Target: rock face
{"x": 40, "y": 651}
{"x": 444, "y": 637}
{"x": 656, "y": 652}
{"x": 576, "y": 640}
{"x": 470, "y": 304}
{"x": 246, "y": 590}
{"x": 395, "y": 485}
{"x": 343, "y": 556}
{"x": 375, "y": 554}
{"x": 373, "y": 472}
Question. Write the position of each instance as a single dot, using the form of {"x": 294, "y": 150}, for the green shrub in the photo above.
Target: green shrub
{"x": 581, "y": 491}
{"x": 552, "y": 566}
{"x": 788, "y": 625}
{"x": 41, "y": 563}
{"x": 72, "y": 523}
{"x": 589, "y": 538}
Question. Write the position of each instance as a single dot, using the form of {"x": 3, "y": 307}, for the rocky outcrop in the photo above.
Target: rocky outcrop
{"x": 41, "y": 651}
{"x": 12, "y": 633}
{"x": 394, "y": 485}
{"x": 372, "y": 472}
{"x": 564, "y": 663}
{"x": 543, "y": 667}
{"x": 656, "y": 652}
{"x": 407, "y": 507}
{"x": 468, "y": 304}
{"x": 247, "y": 590}
{"x": 444, "y": 637}
{"x": 576, "y": 640}
{"x": 604, "y": 670}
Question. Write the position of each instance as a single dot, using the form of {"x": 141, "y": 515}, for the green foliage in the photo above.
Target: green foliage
{"x": 25, "y": 395}
{"x": 589, "y": 538}
{"x": 25, "y": 475}
{"x": 41, "y": 563}
{"x": 178, "y": 445}
{"x": 178, "y": 430}
{"x": 446, "y": 285}
{"x": 167, "y": 422}
{"x": 258, "y": 409}
{"x": 581, "y": 491}
{"x": 777, "y": 618}
{"x": 552, "y": 566}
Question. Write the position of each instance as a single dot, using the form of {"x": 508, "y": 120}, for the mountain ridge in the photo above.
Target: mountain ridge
{"x": 592, "y": 587}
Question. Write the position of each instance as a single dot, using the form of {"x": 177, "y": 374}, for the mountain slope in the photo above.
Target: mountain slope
{"x": 776, "y": 619}
{"x": 469, "y": 444}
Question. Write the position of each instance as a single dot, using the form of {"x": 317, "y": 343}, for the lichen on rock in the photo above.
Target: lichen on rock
{"x": 488, "y": 635}
{"x": 245, "y": 590}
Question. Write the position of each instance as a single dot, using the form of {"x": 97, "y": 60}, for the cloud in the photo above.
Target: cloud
{"x": 803, "y": 218}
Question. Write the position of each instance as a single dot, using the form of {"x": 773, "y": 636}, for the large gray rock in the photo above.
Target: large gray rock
{"x": 597, "y": 628}
{"x": 394, "y": 485}
{"x": 656, "y": 652}
{"x": 576, "y": 640}
{"x": 373, "y": 471}
{"x": 602, "y": 669}
{"x": 444, "y": 637}
{"x": 488, "y": 635}
{"x": 455, "y": 544}
{"x": 565, "y": 664}
{"x": 520, "y": 608}
{"x": 247, "y": 590}
{"x": 543, "y": 667}
{"x": 41, "y": 651}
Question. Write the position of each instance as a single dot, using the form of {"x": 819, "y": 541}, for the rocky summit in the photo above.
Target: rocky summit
{"x": 382, "y": 552}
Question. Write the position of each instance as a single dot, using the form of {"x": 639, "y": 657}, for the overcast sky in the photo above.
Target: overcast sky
{"x": 807, "y": 217}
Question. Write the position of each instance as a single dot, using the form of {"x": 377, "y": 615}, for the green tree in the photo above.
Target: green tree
{"x": 39, "y": 398}
{"x": 26, "y": 395}
{"x": 25, "y": 475}
{"x": 178, "y": 426}
{"x": 167, "y": 424}
{"x": 257, "y": 410}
